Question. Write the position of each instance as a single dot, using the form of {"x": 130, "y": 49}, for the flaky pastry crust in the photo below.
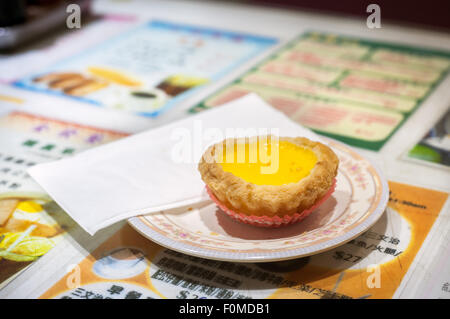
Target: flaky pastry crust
{"x": 271, "y": 200}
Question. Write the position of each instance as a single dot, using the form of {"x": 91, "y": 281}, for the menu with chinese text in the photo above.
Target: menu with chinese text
{"x": 371, "y": 266}
{"x": 356, "y": 91}
{"x": 148, "y": 69}
{"x": 28, "y": 225}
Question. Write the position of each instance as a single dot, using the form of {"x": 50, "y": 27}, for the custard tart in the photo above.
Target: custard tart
{"x": 269, "y": 181}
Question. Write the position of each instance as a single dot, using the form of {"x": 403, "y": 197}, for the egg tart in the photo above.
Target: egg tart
{"x": 269, "y": 181}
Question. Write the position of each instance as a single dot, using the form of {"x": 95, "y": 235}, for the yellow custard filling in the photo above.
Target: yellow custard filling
{"x": 265, "y": 162}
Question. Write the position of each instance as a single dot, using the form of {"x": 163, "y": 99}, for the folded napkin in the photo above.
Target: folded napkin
{"x": 155, "y": 170}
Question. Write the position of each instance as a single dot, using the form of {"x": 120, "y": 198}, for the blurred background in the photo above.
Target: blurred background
{"x": 433, "y": 14}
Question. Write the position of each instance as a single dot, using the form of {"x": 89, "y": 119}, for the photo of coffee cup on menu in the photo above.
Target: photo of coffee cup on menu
{"x": 120, "y": 263}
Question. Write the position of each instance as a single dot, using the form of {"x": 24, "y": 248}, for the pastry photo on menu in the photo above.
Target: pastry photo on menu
{"x": 28, "y": 230}
{"x": 31, "y": 224}
{"x": 148, "y": 69}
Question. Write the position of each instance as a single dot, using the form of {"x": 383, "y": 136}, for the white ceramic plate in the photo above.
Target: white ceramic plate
{"x": 359, "y": 200}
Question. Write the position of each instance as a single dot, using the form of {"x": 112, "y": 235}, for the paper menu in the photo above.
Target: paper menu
{"x": 61, "y": 46}
{"x": 392, "y": 245}
{"x": 53, "y": 107}
{"x": 434, "y": 148}
{"x": 148, "y": 69}
{"x": 29, "y": 139}
{"x": 353, "y": 90}
{"x": 437, "y": 281}
{"x": 154, "y": 170}
{"x": 29, "y": 225}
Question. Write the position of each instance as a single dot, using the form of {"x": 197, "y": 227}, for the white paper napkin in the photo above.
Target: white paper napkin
{"x": 145, "y": 173}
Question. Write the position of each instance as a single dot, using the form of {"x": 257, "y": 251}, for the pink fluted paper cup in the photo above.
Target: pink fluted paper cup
{"x": 267, "y": 221}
